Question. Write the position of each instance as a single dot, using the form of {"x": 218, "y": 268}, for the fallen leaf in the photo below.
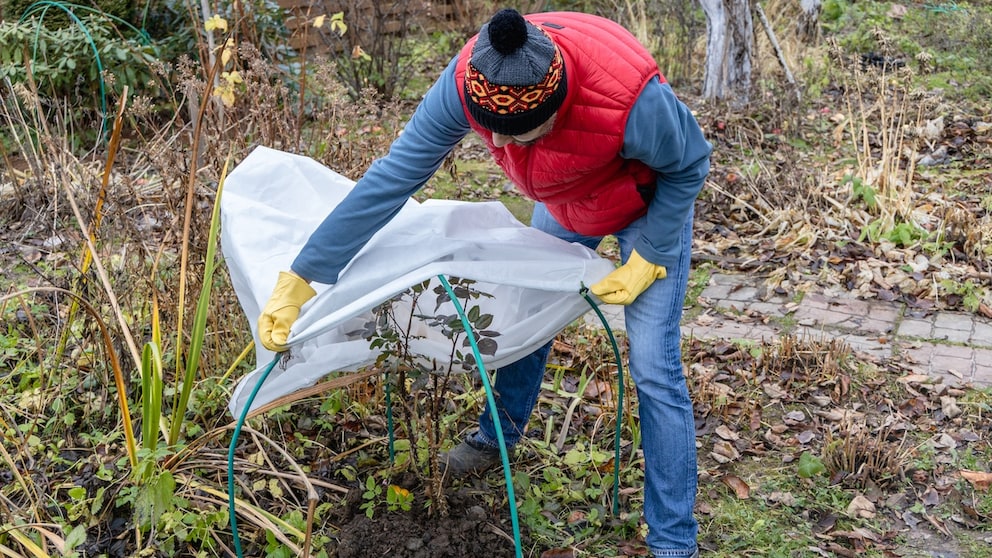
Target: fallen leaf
{"x": 985, "y": 310}
{"x": 819, "y": 551}
{"x": 838, "y": 415}
{"x": 576, "y": 516}
{"x": 784, "y": 498}
{"x": 794, "y": 417}
{"x": 724, "y": 452}
{"x": 944, "y": 441}
{"x": 979, "y": 481}
{"x": 774, "y": 439}
{"x": 825, "y": 524}
{"x": 949, "y": 406}
{"x": 726, "y": 433}
{"x": 968, "y": 436}
{"x": 631, "y": 548}
{"x": 858, "y": 533}
{"x": 841, "y": 551}
{"x": 773, "y": 391}
{"x": 938, "y": 524}
{"x": 740, "y": 488}
{"x": 915, "y": 379}
{"x": 821, "y": 400}
{"x": 558, "y": 553}
{"x": 599, "y": 388}
{"x": 861, "y": 507}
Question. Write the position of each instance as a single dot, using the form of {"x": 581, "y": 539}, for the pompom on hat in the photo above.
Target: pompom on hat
{"x": 515, "y": 79}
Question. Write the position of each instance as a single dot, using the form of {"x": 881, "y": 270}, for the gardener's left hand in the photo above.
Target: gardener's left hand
{"x": 628, "y": 281}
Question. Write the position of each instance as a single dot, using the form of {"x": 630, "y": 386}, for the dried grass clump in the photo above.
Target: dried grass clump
{"x": 804, "y": 359}
{"x": 856, "y": 456}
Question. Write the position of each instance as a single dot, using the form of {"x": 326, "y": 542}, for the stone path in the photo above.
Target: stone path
{"x": 953, "y": 346}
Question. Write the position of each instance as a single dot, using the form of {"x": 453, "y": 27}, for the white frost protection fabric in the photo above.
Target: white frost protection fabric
{"x": 273, "y": 201}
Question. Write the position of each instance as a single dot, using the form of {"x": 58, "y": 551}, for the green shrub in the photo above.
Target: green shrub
{"x": 82, "y": 64}
{"x": 12, "y": 10}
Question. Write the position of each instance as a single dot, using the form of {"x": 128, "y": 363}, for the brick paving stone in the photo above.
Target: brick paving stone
{"x": 716, "y": 292}
{"x": 743, "y": 294}
{"x": 913, "y": 327}
{"x": 983, "y": 368}
{"x": 885, "y": 311}
{"x": 720, "y": 329}
{"x": 952, "y": 370}
{"x": 852, "y": 306}
{"x": 959, "y": 368}
{"x": 983, "y": 358}
{"x": 982, "y": 335}
{"x": 868, "y": 325}
{"x": 951, "y": 335}
{"x": 954, "y": 320}
{"x": 953, "y": 359}
{"x": 917, "y": 355}
{"x": 725, "y": 279}
{"x": 768, "y": 331}
{"x": 956, "y": 351}
{"x": 767, "y": 309}
{"x": 869, "y": 345}
{"x": 815, "y": 300}
{"x": 827, "y": 317}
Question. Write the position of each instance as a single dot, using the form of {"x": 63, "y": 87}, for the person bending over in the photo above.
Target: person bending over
{"x": 577, "y": 114}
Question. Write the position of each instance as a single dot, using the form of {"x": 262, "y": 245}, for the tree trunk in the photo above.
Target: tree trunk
{"x": 808, "y": 26}
{"x": 729, "y": 47}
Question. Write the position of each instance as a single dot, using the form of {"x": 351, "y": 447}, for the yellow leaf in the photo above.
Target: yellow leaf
{"x": 232, "y": 77}
{"x": 275, "y": 488}
{"x": 338, "y": 25}
{"x": 318, "y": 22}
{"x": 215, "y": 22}
{"x": 227, "y": 97}
{"x": 226, "y": 94}
{"x": 228, "y": 52}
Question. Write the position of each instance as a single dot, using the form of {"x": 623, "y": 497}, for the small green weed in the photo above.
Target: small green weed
{"x": 371, "y": 496}
{"x": 398, "y": 498}
{"x": 972, "y": 294}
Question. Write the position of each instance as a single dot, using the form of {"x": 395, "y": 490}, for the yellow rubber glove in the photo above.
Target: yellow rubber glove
{"x": 291, "y": 292}
{"x": 629, "y": 280}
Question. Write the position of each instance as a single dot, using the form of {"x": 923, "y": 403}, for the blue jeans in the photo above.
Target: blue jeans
{"x": 664, "y": 406}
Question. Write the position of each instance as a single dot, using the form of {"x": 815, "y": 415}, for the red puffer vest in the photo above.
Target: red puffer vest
{"x": 576, "y": 169}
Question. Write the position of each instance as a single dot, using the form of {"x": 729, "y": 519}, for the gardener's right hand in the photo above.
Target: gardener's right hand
{"x": 291, "y": 292}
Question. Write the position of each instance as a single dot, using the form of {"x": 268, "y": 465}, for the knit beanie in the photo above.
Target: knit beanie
{"x": 515, "y": 79}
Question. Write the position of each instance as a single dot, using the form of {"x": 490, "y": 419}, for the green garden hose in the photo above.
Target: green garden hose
{"x": 491, "y": 401}
{"x": 230, "y": 454}
{"x": 620, "y": 390}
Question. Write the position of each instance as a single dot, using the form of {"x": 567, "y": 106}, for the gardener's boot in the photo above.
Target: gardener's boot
{"x": 470, "y": 456}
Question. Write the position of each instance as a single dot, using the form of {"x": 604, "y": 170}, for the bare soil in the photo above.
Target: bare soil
{"x": 471, "y": 528}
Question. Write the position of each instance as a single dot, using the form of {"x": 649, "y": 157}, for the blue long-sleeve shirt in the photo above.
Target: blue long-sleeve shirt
{"x": 660, "y": 132}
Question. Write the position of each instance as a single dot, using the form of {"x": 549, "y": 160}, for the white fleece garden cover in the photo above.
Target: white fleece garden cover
{"x": 273, "y": 200}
